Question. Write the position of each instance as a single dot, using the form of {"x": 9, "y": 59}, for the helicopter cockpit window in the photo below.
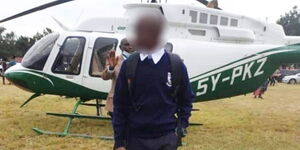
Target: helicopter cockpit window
{"x": 68, "y": 60}
{"x": 38, "y": 54}
{"x": 101, "y": 49}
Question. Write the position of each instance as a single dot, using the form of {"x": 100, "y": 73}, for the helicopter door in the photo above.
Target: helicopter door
{"x": 96, "y": 63}
{"x": 68, "y": 62}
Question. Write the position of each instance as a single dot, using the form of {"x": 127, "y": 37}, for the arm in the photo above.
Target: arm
{"x": 186, "y": 97}
{"x": 121, "y": 102}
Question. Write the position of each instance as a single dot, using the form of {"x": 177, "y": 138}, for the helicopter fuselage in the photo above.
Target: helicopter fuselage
{"x": 226, "y": 55}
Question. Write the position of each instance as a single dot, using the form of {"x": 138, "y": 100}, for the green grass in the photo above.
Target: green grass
{"x": 239, "y": 123}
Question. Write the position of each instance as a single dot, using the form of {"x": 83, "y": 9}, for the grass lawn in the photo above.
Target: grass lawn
{"x": 238, "y": 123}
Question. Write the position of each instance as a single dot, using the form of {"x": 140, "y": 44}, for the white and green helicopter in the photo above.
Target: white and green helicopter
{"x": 226, "y": 54}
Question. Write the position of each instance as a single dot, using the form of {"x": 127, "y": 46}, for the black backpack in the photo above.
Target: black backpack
{"x": 176, "y": 72}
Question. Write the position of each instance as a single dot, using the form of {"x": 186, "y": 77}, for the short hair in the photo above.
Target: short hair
{"x": 122, "y": 42}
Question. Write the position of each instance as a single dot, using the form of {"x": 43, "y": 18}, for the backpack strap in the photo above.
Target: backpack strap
{"x": 176, "y": 69}
{"x": 131, "y": 66}
{"x": 177, "y": 76}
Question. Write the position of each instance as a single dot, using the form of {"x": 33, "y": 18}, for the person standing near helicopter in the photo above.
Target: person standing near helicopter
{"x": 153, "y": 96}
{"x": 4, "y": 68}
{"x": 112, "y": 71}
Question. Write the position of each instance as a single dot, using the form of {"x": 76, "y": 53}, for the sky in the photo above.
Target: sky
{"x": 72, "y": 13}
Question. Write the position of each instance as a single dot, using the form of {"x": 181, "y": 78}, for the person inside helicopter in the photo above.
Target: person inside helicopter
{"x": 212, "y": 4}
{"x": 112, "y": 70}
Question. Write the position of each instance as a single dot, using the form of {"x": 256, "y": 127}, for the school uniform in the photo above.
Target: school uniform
{"x": 152, "y": 126}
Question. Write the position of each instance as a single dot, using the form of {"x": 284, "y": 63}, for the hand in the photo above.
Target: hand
{"x": 111, "y": 59}
{"x": 121, "y": 148}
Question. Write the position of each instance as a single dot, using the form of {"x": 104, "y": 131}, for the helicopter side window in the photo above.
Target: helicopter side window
{"x": 224, "y": 21}
{"x": 214, "y": 19}
{"x": 38, "y": 54}
{"x": 203, "y": 18}
{"x": 68, "y": 60}
{"x": 234, "y": 22}
{"x": 194, "y": 15}
{"x": 101, "y": 49}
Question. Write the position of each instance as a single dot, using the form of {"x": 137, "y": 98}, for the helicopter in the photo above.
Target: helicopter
{"x": 226, "y": 55}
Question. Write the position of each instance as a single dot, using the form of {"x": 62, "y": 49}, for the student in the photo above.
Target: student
{"x": 113, "y": 69}
{"x": 145, "y": 103}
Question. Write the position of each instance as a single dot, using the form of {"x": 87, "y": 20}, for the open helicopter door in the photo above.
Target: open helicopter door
{"x": 68, "y": 59}
{"x": 99, "y": 47}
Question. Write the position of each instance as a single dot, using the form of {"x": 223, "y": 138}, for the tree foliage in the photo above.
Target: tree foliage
{"x": 12, "y": 45}
{"x": 291, "y": 22}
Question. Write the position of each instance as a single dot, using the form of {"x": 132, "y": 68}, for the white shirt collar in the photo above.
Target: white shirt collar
{"x": 156, "y": 55}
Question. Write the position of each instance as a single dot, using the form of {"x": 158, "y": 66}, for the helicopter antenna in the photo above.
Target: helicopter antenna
{"x": 60, "y": 24}
{"x": 79, "y": 17}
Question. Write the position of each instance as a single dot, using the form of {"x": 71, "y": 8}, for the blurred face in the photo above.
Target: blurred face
{"x": 125, "y": 46}
{"x": 148, "y": 33}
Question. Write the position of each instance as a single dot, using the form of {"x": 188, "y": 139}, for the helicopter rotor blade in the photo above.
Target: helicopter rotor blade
{"x": 39, "y": 8}
{"x": 61, "y": 24}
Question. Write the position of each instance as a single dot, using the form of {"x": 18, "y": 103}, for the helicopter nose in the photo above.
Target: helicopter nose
{"x": 13, "y": 75}
{"x": 9, "y": 73}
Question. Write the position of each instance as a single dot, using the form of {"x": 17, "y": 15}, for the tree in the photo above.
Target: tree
{"x": 23, "y": 44}
{"x": 7, "y": 47}
{"x": 12, "y": 45}
{"x": 38, "y": 35}
{"x": 1, "y": 31}
{"x": 291, "y": 22}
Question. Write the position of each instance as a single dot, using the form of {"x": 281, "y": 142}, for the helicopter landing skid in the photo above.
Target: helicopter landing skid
{"x": 70, "y": 117}
{"x": 61, "y": 134}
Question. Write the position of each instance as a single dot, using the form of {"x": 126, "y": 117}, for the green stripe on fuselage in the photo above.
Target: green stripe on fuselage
{"x": 242, "y": 76}
{"x": 40, "y": 83}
